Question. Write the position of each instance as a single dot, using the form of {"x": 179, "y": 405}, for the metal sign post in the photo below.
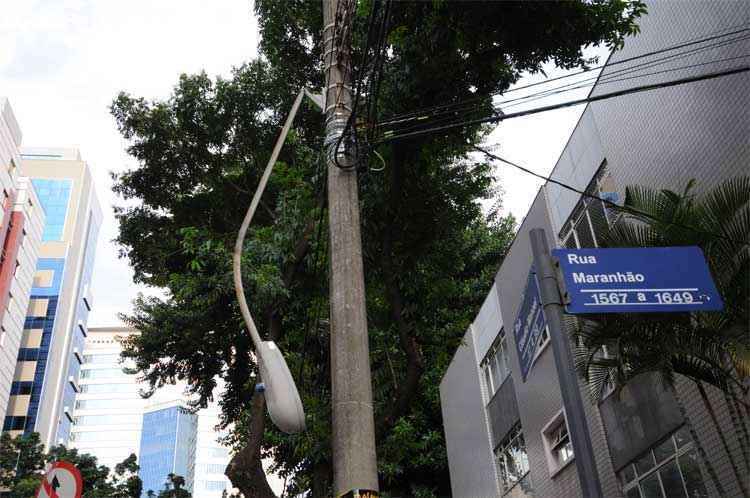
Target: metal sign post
{"x": 588, "y": 475}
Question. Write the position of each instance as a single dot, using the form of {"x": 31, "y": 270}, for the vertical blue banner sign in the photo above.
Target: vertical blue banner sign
{"x": 638, "y": 280}
{"x": 529, "y": 324}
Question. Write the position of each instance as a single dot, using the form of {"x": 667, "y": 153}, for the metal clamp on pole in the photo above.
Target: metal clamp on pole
{"x": 588, "y": 475}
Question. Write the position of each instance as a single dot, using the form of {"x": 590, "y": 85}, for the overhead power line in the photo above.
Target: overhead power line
{"x": 421, "y": 112}
{"x": 390, "y": 137}
{"x": 583, "y": 193}
{"x": 610, "y": 78}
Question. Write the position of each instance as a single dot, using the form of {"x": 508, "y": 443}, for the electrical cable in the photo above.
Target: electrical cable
{"x": 617, "y": 80}
{"x": 320, "y": 191}
{"x": 609, "y": 79}
{"x": 368, "y": 69}
{"x": 494, "y": 119}
{"x": 454, "y": 108}
{"x": 358, "y": 76}
{"x": 583, "y": 193}
{"x": 607, "y": 65}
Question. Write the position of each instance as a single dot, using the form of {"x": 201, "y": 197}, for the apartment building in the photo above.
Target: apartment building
{"x": 505, "y": 425}
{"x": 46, "y": 375}
{"x": 21, "y": 222}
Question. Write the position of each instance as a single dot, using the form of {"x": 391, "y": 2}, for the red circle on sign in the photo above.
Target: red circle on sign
{"x": 72, "y": 470}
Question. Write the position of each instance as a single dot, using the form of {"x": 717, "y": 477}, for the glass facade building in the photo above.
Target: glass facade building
{"x": 211, "y": 456}
{"x": 45, "y": 381}
{"x": 54, "y": 195}
{"x": 111, "y": 420}
{"x": 108, "y": 410}
{"x": 168, "y": 446}
{"x": 40, "y": 319}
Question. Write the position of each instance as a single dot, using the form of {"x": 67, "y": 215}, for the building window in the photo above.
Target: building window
{"x": 14, "y": 423}
{"x": 557, "y": 445}
{"x": 669, "y": 469}
{"x": 53, "y": 194}
{"x": 591, "y": 218}
{"x": 101, "y": 358}
{"x": 102, "y": 373}
{"x": 496, "y": 365}
{"x": 215, "y": 485}
{"x": 511, "y": 457}
{"x": 541, "y": 342}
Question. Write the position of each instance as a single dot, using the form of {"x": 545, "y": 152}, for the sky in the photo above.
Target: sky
{"x": 63, "y": 61}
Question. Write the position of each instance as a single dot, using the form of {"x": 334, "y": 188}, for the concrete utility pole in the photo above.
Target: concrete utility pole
{"x": 354, "y": 459}
{"x": 549, "y": 293}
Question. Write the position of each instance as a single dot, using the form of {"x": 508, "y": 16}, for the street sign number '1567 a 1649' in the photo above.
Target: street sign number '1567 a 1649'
{"x": 637, "y": 280}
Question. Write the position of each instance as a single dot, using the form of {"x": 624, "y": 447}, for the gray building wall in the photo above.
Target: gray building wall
{"x": 539, "y": 398}
{"x": 659, "y": 138}
{"x": 470, "y": 459}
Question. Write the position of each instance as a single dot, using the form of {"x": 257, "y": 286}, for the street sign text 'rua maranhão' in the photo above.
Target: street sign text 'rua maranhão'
{"x": 637, "y": 280}
{"x": 529, "y": 324}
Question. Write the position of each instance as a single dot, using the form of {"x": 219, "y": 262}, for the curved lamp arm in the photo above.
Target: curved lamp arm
{"x": 283, "y": 400}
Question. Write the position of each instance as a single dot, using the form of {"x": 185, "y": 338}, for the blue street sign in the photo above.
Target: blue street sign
{"x": 637, "y": 280}
{"x": 529, "y": 324}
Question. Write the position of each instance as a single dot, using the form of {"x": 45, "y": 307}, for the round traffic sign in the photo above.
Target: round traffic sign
{"x": 62, "y": 480}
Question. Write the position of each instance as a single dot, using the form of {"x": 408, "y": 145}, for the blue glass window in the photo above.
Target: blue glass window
{"x": 167, "y": 446}
{"x": 54, "y": 196}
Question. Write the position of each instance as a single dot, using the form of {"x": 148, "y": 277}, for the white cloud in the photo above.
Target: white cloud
{"x": 63, "y": 61}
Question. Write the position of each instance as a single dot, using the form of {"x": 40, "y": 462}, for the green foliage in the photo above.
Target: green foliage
{"x": 23, "y": 460}
{"x": 430, "y": 253}
{"x": 706, "y": 347}
{"x": 174, "y": 488}
{"x": 22, "y": 463}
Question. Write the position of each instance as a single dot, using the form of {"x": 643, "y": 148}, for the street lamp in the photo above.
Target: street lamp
{"x": 283, "y": 400}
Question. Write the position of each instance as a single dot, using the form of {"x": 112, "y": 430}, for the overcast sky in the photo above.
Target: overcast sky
{"x": 63, "y": 61}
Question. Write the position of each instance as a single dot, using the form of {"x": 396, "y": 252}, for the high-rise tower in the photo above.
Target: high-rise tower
{"x": 21, "y": 221}
{"x": 60, "y": 299}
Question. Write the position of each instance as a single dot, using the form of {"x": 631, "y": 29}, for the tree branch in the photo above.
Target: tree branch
{"x": 415, "y": 362}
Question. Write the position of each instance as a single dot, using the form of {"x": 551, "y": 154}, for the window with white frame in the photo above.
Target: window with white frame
{"x": 511, "y": 457}
{"x": 496, "y": 364}
{"x": 542, "y": 342}
{"x": 591, "y": 217}
{"x": 557, "y": 445}
{"x": 669, "y": 469}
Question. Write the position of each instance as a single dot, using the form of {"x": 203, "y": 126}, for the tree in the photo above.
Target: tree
{"x": 23, "y": 461}
{"x": 708, "y": 348}
{"x": 430, "y": 253}
{"x": 125, "y": 480}
{"x": 21, "y": 464}
{"x": 174, "y": 488}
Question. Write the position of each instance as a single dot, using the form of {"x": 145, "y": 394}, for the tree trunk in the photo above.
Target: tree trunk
{"x": 245, "y": 470}
{"x": 321, "y": 486}
{"x": 717, "y": 426}
{"x": 699, "y": 446}
{"x": 409, "y": 385}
